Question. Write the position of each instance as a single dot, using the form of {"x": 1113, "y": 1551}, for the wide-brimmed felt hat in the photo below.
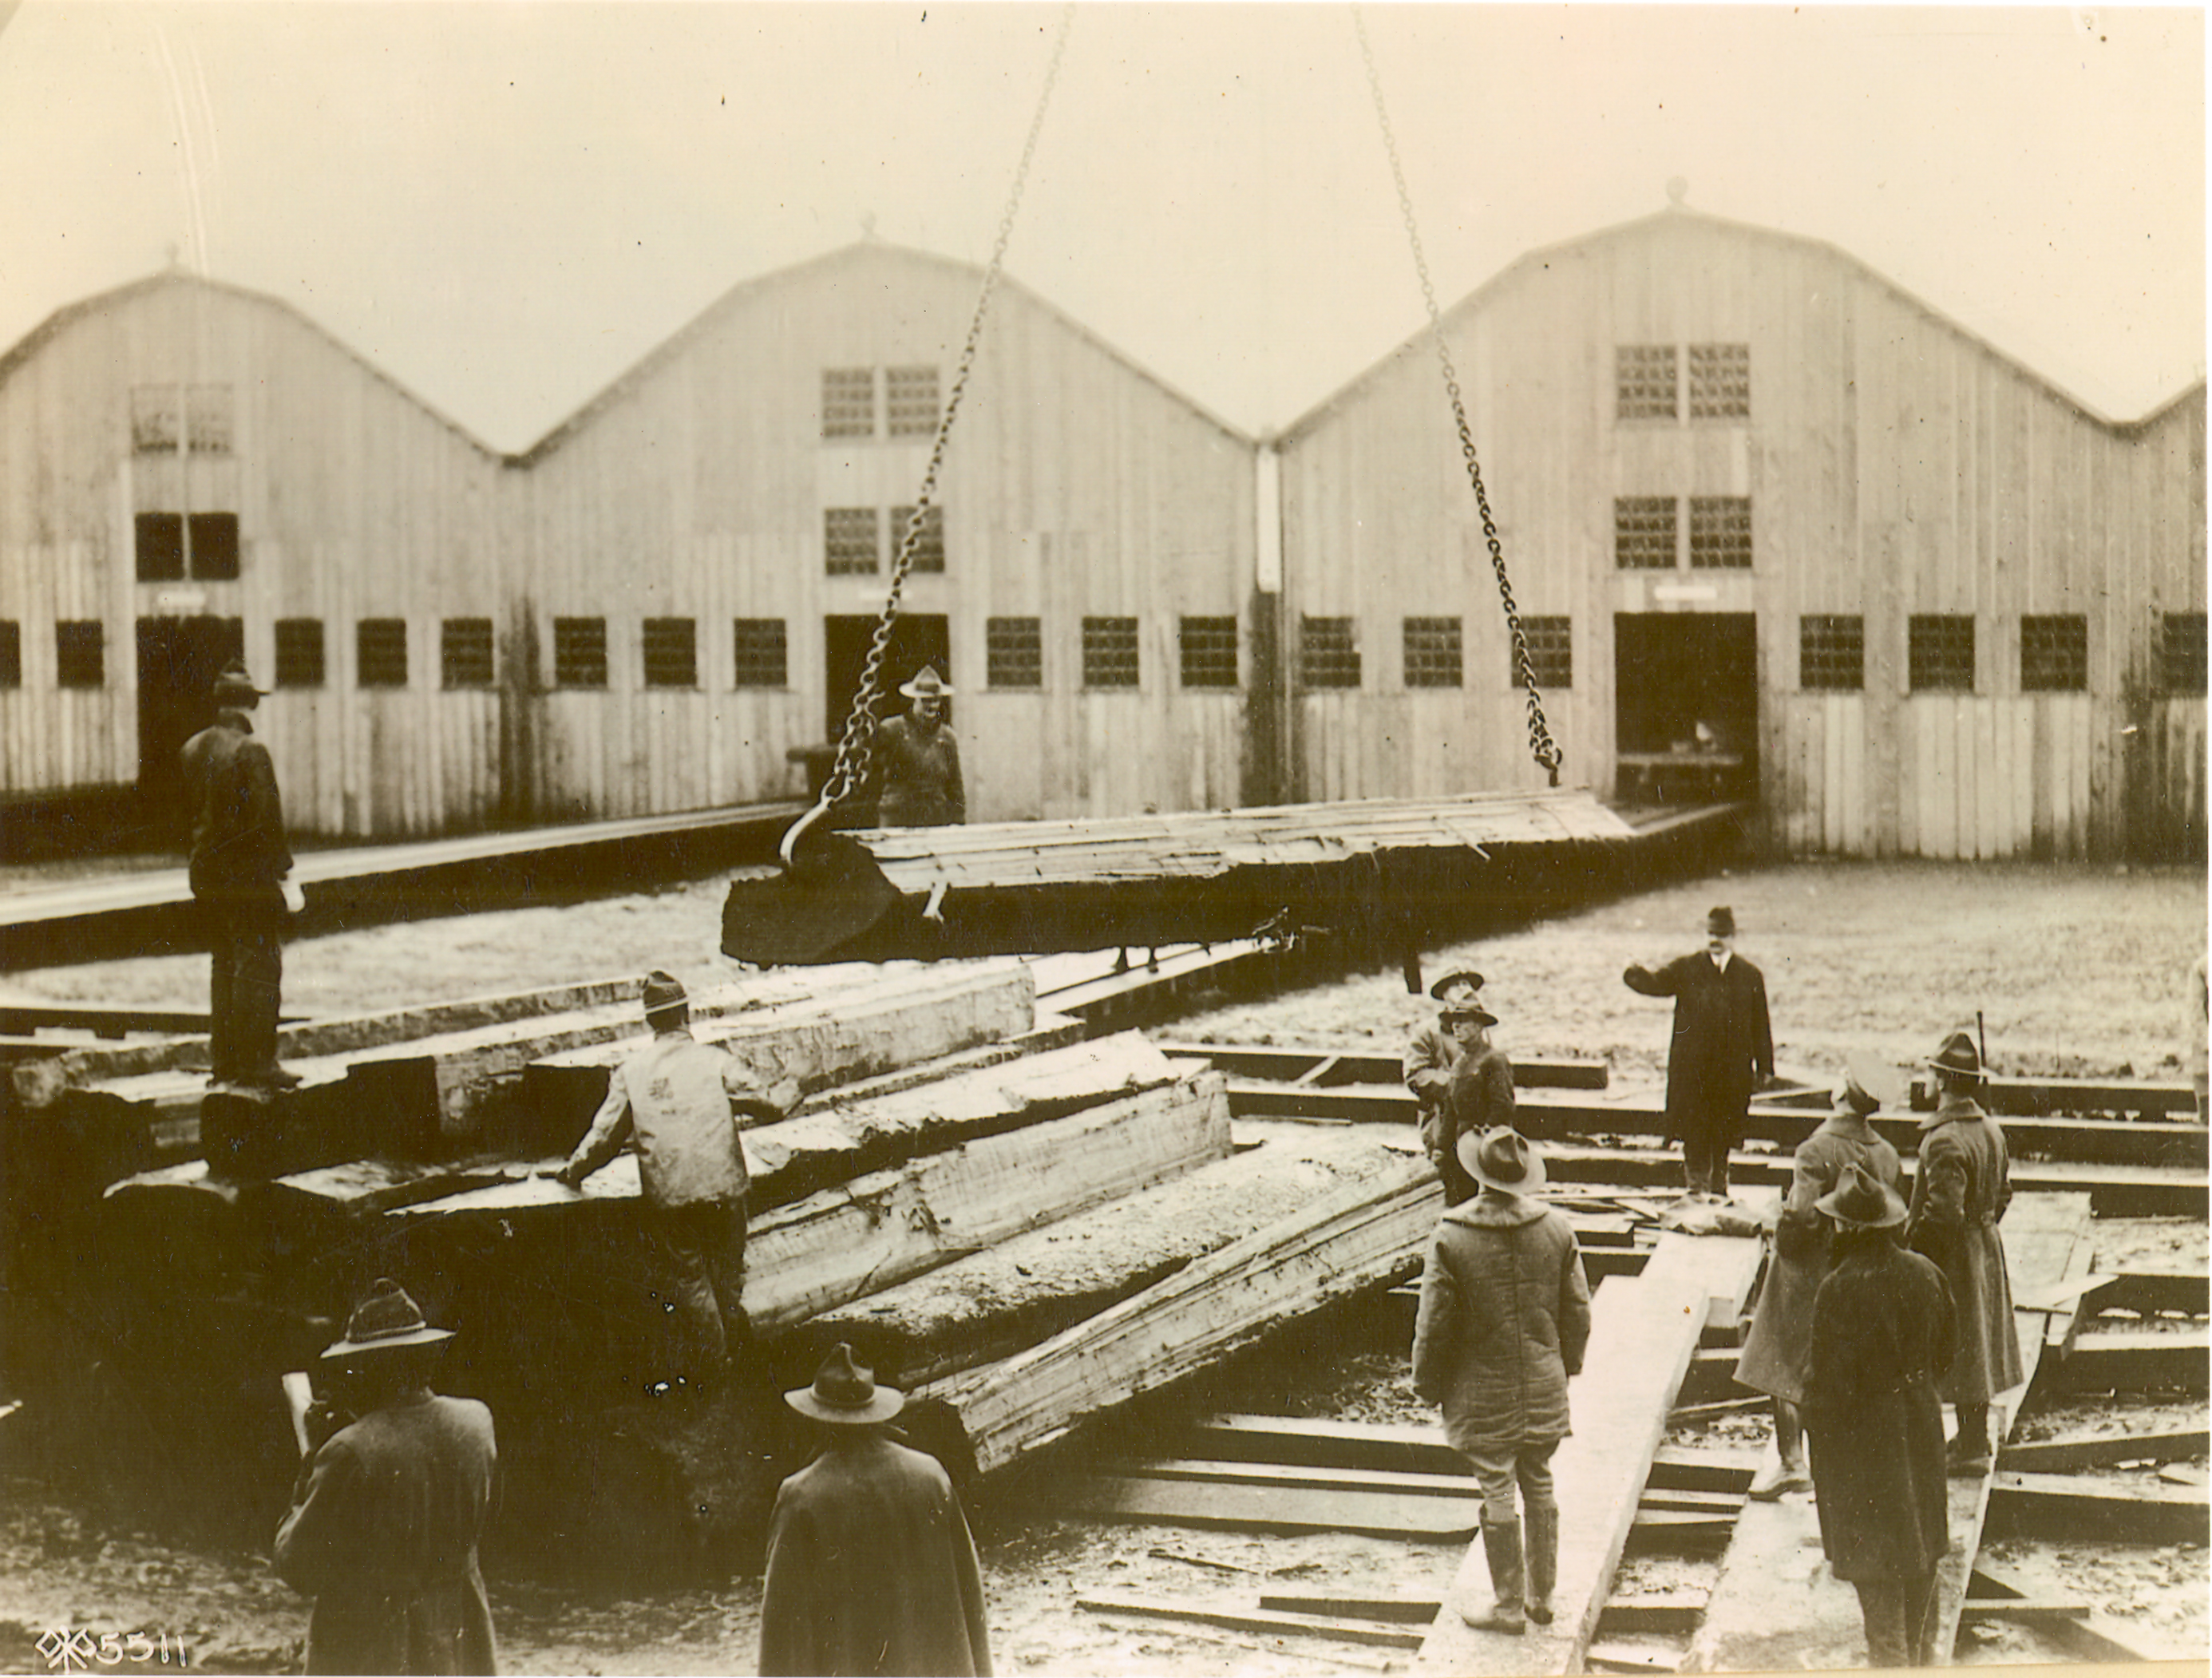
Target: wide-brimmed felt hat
{"x": 664, "y": 991}
{"x": 387, "y": 1319}
{"x": 1859, "y": 1202}
{"x": 1959, "y": 1055}
{"x": 845, "y": 1392}
{"x": 927, "y": 685}
{"x": 1503, "y": 1159}
{"x": 232, "y": 683}
{"x": 1456, "y": 986}
{"x": 1469, "y": 1009}
{"x": 1720, "y": 922}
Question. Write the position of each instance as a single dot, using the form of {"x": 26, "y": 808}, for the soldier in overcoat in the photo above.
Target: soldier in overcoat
{"x": 1461, "y": 1082}
{"x": 1723, "y": 1049}
{"x": 920, "y": 760}
{"x": 1882, "y": 1329}
{"x": 1960, "y": 1189}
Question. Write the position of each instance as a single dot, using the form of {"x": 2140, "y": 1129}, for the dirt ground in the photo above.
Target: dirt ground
{"x": 2075, "y": 971}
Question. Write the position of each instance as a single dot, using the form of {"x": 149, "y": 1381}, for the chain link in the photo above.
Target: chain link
{"x": 856, "y": 746}
{"x": 1541, "y": 746}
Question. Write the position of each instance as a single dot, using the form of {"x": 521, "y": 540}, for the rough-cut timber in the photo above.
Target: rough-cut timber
{"x": 2079, "y": 1508}
{"x": 1408, "y": 1516}
{"x": 1236, "y": 1619}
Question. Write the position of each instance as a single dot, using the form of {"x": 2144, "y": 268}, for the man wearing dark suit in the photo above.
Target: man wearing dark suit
{"x": 1723, "y": 1049}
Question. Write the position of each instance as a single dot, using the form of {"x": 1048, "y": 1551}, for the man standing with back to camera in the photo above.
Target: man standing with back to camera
{"x": 1723, "y": 1049}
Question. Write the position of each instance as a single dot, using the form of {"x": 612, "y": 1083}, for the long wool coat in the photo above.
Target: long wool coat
{"x": 238, "y": 818}
{"x": 1505, "y": 1319}
{"x": 383, "y": 1533}
{"x": 1459, "y": 1090}
{"x": 871, "y": 1568}
{"x": 1777, "y": 1348}
{"x": 1723, "y": 1043}
{"x": 1882, "y": 1329}
{"x": 1959, "y": 1190}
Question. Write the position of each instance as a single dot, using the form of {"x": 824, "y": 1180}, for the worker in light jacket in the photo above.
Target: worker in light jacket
{"x": 920, "y": 760}
{"x": 1723, "y": 1049}
{"x": 1460, "y": 1082}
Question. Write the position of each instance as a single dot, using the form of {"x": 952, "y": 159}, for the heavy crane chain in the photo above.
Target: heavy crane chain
{"x": 1541, "y": 746}
{"x": 856, "y": 746}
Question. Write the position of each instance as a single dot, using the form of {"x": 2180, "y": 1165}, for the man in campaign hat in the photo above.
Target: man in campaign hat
{"x": 1723, "y": 1049}
{"x": 920, "y": 761}
{"x": 871, "y": 1568}
{"x": 238, "y": 862}
{"x": 392, "y": 1503}
{"x": 1960, "y": 1191}
{"x": 1461, "y": 1081}
{"x": 682, "y": 1100}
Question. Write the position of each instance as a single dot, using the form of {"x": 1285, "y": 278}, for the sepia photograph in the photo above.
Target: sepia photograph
{"x": 1210, "y": 839}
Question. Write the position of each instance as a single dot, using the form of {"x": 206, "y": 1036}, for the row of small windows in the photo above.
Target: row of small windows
{"x": 1650, "y": 534}
{"x": 871, "y": 401}
{"x": 1648, "y": 382}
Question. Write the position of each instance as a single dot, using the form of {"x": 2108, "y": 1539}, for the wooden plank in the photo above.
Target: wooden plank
{"x": 2099, "y": 1450}
{"x": 2019, "y": 1611}
{"x": 1288, "y": 1475}
{"x": 2187, "y": 1291}
{"x": 2065, "y": 1505}
{"x": 1273, "y": 1624}
{"x": 1406, "y": 1610}
{"x": 2145, "y": 1361}
{"x": 1300, "y": 1063}
{"x": 1405, "y": 1515}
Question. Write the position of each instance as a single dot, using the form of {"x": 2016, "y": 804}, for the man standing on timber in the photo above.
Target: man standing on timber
{"x": 682, "y": 1099}
{"x": 871, "y": 1568}
{"x": 1463, "y": 1085}
{"x": 921, "y": 760}
{"x": 238, "y": 865}
{"x": 1960, "y": 1191}
{"x": 1723, "y": 1049}
{"x": 1505, "y": 1319}
{"x": 391, "y": 1505}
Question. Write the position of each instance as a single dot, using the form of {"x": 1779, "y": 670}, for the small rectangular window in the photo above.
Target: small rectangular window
{"x": 579, "y": 651}
{"x": 2181, "y": 652}
{"x": 1646, "y": 387}
{"x": 81, "y": 652}
{"x": 1831, "y": 652}
{"x": 671, "y": 653}
{"x": 1940, "y": 656}
{"x": 381, "y": 652}
{"x": 159, "y": 541}
{"x": 1328, "y": 653}
{"x": 1720, "y": 381}
{"x": 11, "y": 654}
{"x": 1551, "y": 651}
{"x": 762, "y": 658}
{"x": 928, "y": 542}
{"x": 1720, "y": 533}
{"x": 1208, "y": 649}
{"x": 851, "y": 543}
{"x": 910, "y": 401}
{"x": 299, "y": 653}
{"x": 2054, "y": 655}
{"x": 157, "y": 422}
{"x": 211, "y": 539}
{"x": 1435, "y": 655}
{"x": 1013, "y": 653}
{"x": 848, "y": 402}
{"x": 208, "y": 419}
{"x": 464, "y": 652}
{"x": 1644, "y": 532}
{"x": 1109, "y": 653}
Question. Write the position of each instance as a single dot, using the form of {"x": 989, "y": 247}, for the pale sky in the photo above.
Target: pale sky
{"x": 505, "y": 205}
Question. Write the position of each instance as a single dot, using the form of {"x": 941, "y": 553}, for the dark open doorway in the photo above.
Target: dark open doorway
{"x": 1685, "y": 699}
{"x": 178, "y": 658}
{"x": 915, "y": 640}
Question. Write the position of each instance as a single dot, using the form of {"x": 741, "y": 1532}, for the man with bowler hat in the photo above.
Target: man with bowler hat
{"x": 1882, "y": 1331}
{"x": 392, "y": 1503}
{"x": 239, "y": 861}
{"x": 1959, "y": 1191}
{"x": 1723, "y": 1049}
{"x": 1503, "y": 1320}
{"x": 871, "y": 1568}
{"x": 1460, "y": 1082}
{"x": 920, "y": 760}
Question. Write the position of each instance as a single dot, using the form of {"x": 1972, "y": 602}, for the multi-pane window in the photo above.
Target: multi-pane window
{"x": 169, "y": 546}
{"x": 852, "y": 542}
{"x": 1435, "y": 657}
{"x": 910, "y": 401}
{"x": 762, "y": 655}
{"x": 11, "y": 654}
{"x": 1720, "y": 533}
{"x": 464, "y": 652}
{"x": 1013, "y": 653}
{"x": 1109, "y": 653}
{"x": 671, "y": 653}
{"x": 1720, "y": 381}
{"x": 579, "y": 651}
{"x": 1328, "y": 653}
{"x": 165, "y": 417}
{"x": 1208, "y": 650}
{"x": 158, "y": 539}
{"x": 928, "y": 543}
{"x": 1832, "y": 652}
{"x": 1941, "y": 653}
{"x": 1646, "y": 382}
{"x": 300, "y": 653}
{"x": 380, "y": 652}
{"x": 1550, "y": 644}
{"x": 81, "y": 652}
{"x": 2181, "y": 652}
{"x": 211, "y": 546}
{"x": 1644, "y": 532}
{"x": 2054, "y": 655}
{"x": 848, "y": 402}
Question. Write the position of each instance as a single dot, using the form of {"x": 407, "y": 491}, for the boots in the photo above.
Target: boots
{"x": 1967, "y": 1456}
{"x": 1501, "y": 1544}
{"x": 1787, "y": 1473}
{"x": 1541, "y": 1526}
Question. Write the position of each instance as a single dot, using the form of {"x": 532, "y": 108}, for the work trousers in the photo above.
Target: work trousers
{"x": 702, "y": 1250}
{"x": 1501, "y": 1469}
{"x": 1705, "y": 1161}
{"x": 245, "y": 932}
{"x": 1900, "y": 1621}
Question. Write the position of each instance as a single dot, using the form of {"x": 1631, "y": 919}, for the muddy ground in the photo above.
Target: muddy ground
{"x": 2075, "y": 970}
